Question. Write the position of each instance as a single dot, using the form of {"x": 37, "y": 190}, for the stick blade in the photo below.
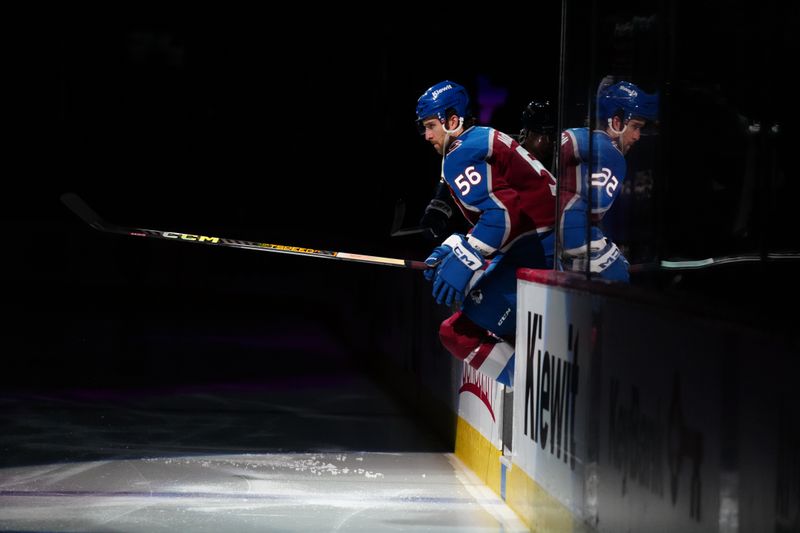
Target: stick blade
{"x": 399, "y": 215}
{"x": 86, "y": 213}
{"x": 417, "y": 230}
{"x": 397, "y": 223}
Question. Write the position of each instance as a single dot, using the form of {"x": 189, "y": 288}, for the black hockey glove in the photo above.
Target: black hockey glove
{"x": 436, "y": 216}
{"x": 438, "y": 213}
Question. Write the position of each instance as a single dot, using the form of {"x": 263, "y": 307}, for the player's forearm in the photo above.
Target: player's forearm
{"x": 491, "y": 232}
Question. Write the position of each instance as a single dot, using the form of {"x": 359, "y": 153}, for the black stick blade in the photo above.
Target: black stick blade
{"x": 87, "y": 214}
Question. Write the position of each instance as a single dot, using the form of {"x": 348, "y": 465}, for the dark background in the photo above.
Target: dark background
{"x": 294, "y": 130}
{"x": 216, "y": 123}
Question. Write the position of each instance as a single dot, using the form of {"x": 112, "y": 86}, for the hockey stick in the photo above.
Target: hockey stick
{"x": 397, "y": 229}
{"x": 693, "y": 264}
{"x": 82, "y": 209}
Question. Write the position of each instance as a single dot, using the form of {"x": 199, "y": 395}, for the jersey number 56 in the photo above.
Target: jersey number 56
{"x": 470, "y": 176}
{"x": 604, "y": 179}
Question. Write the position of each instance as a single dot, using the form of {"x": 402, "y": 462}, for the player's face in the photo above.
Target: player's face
{"x": 434, "y": 133}
{"x": 539, "y": 145}
{"x": 631, "y": 135}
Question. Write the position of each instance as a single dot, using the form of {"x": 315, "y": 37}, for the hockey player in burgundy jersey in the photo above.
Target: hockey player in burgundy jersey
{"x": 509, "y": 198}
{"x": 536, "y": 136}
{"x": 538, "y": 129}
{"x": 622, "y": 111}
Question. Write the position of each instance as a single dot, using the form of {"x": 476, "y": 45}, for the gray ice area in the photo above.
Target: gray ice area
{"x": 343, "y": 491}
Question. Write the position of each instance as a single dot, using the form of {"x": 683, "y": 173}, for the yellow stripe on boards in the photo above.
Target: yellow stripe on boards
{"x": 537, "y": 508}
{"x": 534, "y": 505}
{"x": 478, "y": 454}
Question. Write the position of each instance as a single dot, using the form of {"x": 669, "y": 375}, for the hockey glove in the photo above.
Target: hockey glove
{"x": 455, "y": 274}
{"x": 435, "y": 219}
{"x": 437, "y": 256}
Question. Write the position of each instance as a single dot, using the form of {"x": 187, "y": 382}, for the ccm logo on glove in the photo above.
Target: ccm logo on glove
{"x": 454, "y": 270}
{"x": 467, "y": 258}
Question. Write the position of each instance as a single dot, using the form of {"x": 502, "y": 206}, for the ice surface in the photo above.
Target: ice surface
{"x": 356, "y": 491}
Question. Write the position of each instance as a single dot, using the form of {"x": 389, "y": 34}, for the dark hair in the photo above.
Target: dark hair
{"x": 469, "y": 120}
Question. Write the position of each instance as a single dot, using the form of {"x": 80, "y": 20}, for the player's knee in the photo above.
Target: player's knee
{"x": 449, "y": 336}
{"x": 459, "y": 335}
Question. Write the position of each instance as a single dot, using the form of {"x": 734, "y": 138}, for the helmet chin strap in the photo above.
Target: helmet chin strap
{"x": 617, "y": 133}
{"x": 457, "y": 128}
{"x": 448, "y": 133}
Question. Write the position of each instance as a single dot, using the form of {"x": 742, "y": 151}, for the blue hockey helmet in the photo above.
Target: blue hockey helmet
{"x": 626, "y": 99}
{"x": 439, "y": 98}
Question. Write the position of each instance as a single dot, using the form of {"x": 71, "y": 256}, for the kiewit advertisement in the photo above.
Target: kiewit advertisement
{"x": 634, "y": 415}
{"x": 551, "y": 392}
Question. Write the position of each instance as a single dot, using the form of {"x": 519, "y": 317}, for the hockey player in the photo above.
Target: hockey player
{"x": 536, "y": 136}
{"x": 538, "y": 127}
{"x": 509, "y": 198}
{"x": 622, "y": 111}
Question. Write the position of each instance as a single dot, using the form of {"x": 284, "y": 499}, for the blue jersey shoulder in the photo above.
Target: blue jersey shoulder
{"x": 608, "y": 167}
{"x": 465, "y": 167}
{"x": 470, "y": 147}
{"x": 605, "y": 152}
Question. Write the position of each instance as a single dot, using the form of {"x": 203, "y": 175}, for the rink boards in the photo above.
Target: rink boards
{"x": 629, "y": 415}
